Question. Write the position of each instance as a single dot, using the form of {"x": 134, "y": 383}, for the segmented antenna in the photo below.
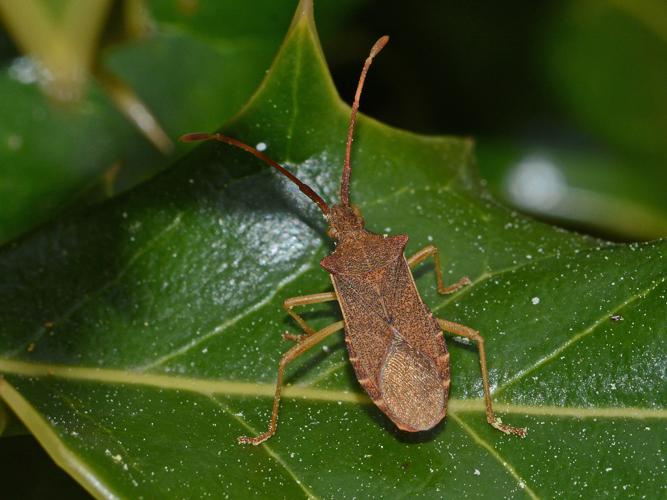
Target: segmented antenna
{"x": 305, "y": 189}
{"x": 345, "y": 180}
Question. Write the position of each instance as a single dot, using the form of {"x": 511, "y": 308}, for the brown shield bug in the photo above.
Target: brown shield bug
{"x": 395, "y": 344}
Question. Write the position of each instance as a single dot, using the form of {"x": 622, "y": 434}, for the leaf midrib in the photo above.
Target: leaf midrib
{"x": 210, "y": 387}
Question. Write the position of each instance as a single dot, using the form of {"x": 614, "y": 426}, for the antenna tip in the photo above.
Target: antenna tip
{"x": 379, "y": 45}
{"x": 194, "y": 137}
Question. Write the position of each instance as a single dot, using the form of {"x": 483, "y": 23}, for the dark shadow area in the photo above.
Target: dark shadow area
{"x": 28, "y": 473}
{"x": 314, "y": 362}
{"x": 404, "y": 437}
{"x": 462, "y": 68}
{"x": 424, "y": 268}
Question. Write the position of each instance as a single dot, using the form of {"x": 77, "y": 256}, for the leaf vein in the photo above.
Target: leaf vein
{"x": 267, "y": 449}
{"x": 228, "y": 323}
{"x": 494, "y": 453}
{"x": 41, "y": 331}
{"x": 577, "y": 337}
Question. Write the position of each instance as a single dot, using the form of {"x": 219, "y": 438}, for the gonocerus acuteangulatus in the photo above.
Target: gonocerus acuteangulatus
{"x": 395, "y": 344}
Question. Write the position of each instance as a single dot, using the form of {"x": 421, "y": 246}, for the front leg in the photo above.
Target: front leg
{"x": 432, "y": 250}
{"x": 289, "y": 304}
{"x": 469, "y": 333}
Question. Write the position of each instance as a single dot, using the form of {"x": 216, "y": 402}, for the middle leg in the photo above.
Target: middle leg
{"x": 432, "y": 250}
{"x": 292, "y": 302}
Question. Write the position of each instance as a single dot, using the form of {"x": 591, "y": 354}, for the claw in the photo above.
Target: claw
{"x": 292, "y": 337}
{"x": 508, "y": 429}
{"x": 254, "y": 441}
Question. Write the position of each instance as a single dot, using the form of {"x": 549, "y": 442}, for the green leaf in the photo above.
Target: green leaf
{"x": 608, "y": 63}
{"x": 221, "y": 50}
{"x": 577, "y": 186}
{"x": 51, "y": 153}
{"x": 141, "y": 338}
{"x": 41, "y": 168}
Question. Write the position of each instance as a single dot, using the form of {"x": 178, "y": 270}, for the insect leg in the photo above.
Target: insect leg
{"x": 316, "y": 298}
{"x": 471, "y": 334}
{"x": 432, "y": 250}
{"x": 293, "y": 353}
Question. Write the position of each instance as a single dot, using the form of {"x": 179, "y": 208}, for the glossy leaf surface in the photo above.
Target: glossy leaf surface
{"x": 140, "y": 339}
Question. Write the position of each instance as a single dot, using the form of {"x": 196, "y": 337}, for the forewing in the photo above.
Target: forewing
{"x": 395, "y": 345}
{"x": 367, "y": 331}
{"x": 409, "y": 315}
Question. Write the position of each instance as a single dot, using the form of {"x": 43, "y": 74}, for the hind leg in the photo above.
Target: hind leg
{"x": 469, "y": 333}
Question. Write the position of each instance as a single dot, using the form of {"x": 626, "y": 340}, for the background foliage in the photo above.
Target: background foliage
{"x": 142, "y": 286}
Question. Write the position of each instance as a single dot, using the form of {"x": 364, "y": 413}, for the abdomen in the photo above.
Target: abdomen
{"x": 395, "y": 345}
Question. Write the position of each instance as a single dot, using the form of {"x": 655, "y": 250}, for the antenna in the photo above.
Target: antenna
{"x": 345, "y": 180}
{"x": 305, "y": 189}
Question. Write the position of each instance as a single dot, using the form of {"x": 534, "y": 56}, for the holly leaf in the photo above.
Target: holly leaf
{"x": 630, "y": 111}
{"x": 141, "y": 338}
{"x": 580, "y": 188}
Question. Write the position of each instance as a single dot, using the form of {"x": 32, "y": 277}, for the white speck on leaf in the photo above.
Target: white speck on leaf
{"x": 14, "y": 142}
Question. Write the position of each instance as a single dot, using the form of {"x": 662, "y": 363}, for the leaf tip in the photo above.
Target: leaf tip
{"x": 303, "y": 14}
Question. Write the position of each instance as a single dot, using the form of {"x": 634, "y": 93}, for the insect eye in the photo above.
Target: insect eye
{"x": 357, "y": 213}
